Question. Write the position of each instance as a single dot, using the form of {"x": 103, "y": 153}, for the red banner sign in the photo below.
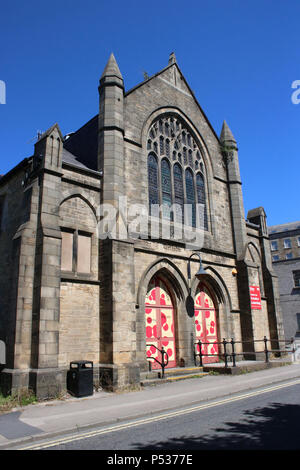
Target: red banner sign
{"x": 255, "y": 297}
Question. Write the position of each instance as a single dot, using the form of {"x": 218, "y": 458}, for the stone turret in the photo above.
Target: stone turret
{"x": 117, "y": 337}
{"x": 258, "y": 217}
{"x": 111, "y": 132}
{"x": 230, "y": 152}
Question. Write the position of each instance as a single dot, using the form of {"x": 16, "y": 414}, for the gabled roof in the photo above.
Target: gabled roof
{"x": 173, "y": 63}
{"x": 82, "y": 146}
{"x": 50, "y": 130}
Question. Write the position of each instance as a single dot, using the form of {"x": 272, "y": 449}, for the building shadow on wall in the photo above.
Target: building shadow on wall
{"x": 271, "y": 428}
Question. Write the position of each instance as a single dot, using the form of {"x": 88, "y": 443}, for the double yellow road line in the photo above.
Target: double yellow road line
{"x": 161, "y": 417}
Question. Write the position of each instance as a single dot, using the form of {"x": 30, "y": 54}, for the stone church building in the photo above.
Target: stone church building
{"x": 68, "y": 292}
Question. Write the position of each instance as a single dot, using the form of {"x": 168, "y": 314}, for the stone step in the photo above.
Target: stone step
{"x": 175, "y": 371}
{"x": 174, "y": 378}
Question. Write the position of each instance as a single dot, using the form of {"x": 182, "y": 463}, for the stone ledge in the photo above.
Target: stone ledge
{"x": 245, "y": 367}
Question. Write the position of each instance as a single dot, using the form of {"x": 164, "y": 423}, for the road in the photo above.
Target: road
{"x": 264, "y": 419}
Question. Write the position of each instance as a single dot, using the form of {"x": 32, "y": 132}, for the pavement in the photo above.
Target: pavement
{"x": 55, "y": 417}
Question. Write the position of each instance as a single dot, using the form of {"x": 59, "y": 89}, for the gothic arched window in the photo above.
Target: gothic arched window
{"x": 166, "y": 189}
{"x": 176, "y": 172}
{"x": 201, "y": 200}
{"x": 178, "y": 193}
{"x": 190, "y": 198}
{"x": 153, "y": 181}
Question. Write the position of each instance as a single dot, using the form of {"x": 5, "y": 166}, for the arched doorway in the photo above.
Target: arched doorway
{"x": 160, "y": 322}
{"x": 206, "y": 327}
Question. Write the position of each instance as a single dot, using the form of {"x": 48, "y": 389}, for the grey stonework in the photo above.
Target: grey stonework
{"x": 289, "y": 296}
{"x": 284, "y": 269}
{"x": 49, "y": 317}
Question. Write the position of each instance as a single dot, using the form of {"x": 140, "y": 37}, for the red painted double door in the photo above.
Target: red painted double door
{"x": 160, "y": 326}
{"x": 160, "y": 323}
{"x": 206, "y": 324}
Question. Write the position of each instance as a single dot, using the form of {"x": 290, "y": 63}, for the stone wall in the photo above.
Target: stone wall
{"x": 289, "y": 295}
{"x": 79, "y": 292}
{"x": 79, "y": 323}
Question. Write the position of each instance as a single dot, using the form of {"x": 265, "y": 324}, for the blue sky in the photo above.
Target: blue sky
{"x": 239, "y": 57}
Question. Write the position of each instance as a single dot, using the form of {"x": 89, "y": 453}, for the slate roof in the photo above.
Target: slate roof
{"x": 68, "y": 157}
{"x": 284, "y": 227}
{"x": 81, "y": 148}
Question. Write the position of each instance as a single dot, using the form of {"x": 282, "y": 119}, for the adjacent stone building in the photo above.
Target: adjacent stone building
{"x": 285, "y": 249}
{"x": 147, "y": 166}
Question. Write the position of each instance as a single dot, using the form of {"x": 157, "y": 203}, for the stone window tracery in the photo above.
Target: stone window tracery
{"x": 175, "y": 161}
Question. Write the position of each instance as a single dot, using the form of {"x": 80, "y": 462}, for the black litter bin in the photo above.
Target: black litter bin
{"x": 80, "y": 378}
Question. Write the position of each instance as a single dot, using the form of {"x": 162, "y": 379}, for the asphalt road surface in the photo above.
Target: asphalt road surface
{"x": 264, "y": 419}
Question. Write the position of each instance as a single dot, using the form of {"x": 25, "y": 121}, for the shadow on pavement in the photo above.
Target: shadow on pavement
{"x": 12, "y": 428}
{"x": 271, "y": 428}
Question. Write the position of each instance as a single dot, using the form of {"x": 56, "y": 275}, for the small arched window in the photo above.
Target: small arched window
{"x": 184, "y": 156}
{"x": 161, "y": 145}
{"x": 153, "y": 181}
{"x": 168, "y": 148}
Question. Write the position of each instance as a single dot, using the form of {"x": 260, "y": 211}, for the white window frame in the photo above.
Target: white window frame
{"x": 289, "y": 243}
{"x": 274, "y": 242}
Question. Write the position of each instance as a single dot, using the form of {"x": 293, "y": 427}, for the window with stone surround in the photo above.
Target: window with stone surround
{"x": 296, "y": 275}
{"x": 274, "y": 245}
{"x": 176, "y": 172}
{"x": 67, "y": 243}
{"x": 287, "y": 243}
{"x": 83, "y": 253}
{"x": 76, "y": 251}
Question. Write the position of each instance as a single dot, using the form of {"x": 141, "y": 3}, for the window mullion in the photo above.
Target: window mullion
{"x": 75, "y": 250}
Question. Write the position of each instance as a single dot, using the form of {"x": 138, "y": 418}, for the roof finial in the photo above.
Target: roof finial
{"x": 172, "y": 58}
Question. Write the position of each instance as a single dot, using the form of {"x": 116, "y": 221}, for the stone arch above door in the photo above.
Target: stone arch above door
{"x": 223, "y": 301}
{"x": 177, "y": 286}
{"x": 170, "y": 271}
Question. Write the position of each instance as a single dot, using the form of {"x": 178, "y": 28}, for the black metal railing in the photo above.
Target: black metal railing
{"x": 231, "y": 355}
{"x": 162, "y": 364}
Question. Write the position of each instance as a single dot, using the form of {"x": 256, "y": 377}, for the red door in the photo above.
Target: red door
{"x": 206, "y": 324}
{"x": 159, "y": 316}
